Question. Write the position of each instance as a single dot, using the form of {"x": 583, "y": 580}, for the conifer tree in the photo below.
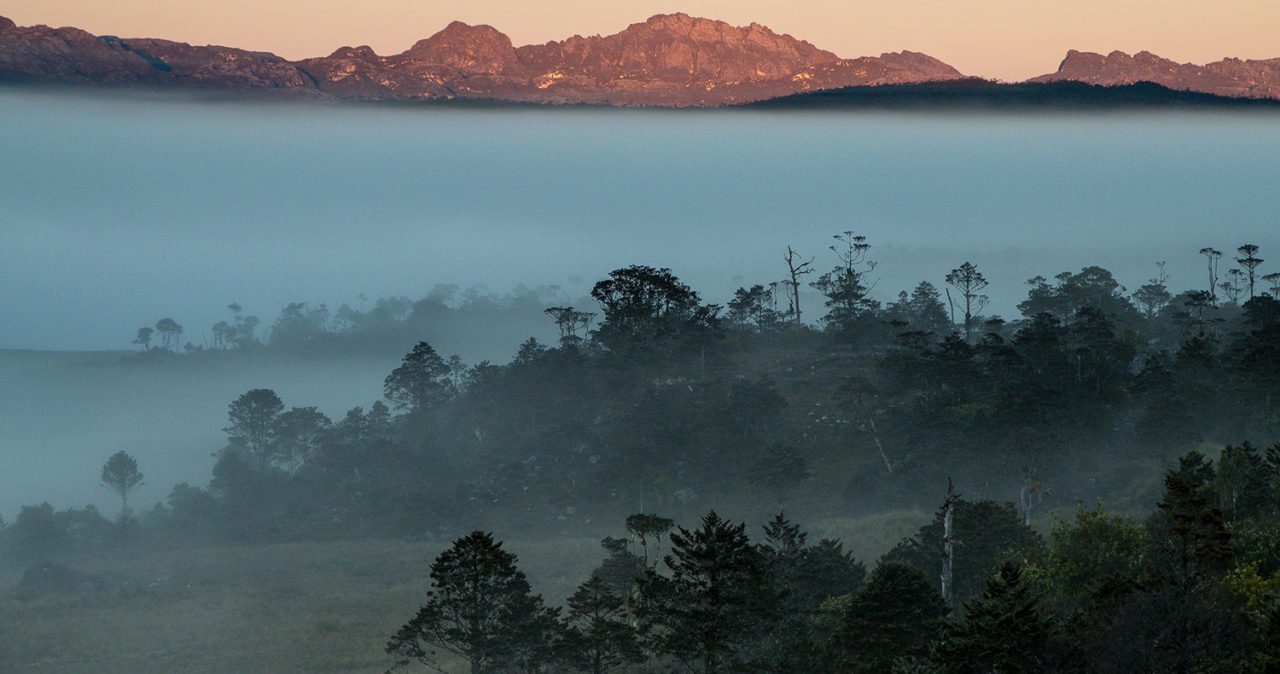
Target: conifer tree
{"x": 895, "y": 615}
{"x": 1006, "y": 631}
{"x": 480, "y": 609}
{"x": 707, "y": 613}
{"x": 599, "y": 637}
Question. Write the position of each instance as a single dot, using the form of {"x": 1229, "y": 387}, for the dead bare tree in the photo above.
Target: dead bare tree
{"x": 1030, "y": 495}
{"x": 796, "y": 268}
{"x": 860, "y": 396}
{"x": 948, "y": 545}
{"x": 1212, "y": 255}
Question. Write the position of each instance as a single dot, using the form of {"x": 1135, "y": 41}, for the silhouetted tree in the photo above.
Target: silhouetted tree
{"x": 599, "y": 635}
{"x": 707, "y": 614}
{"x": 752, "y": 308}
{"x": 845, "y": 287}
{"x": 1249, "y": 262}
{"x": 644, "y": 305}
{"x": 1212, "y": 256}
{"x": 1006, "y": 631}
{"x": 143, "y": 338}
{"x": 120, "y": 474}
{"x": 970, "y": 283}
{"x": 253, "y": 423}
{"x": 1154, "y": 295}
{"x": 479, "y": 608}
{"x": 797, "y": 268}
{"x": 895, "y": 616}
{"x": 170, "y": 332}
{"x": 420, "y": 382}
{"x": 297, "y": 436}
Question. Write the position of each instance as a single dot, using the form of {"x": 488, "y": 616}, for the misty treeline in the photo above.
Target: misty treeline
{"x": 655, "y": 400}
{"x": 452, "y": 313}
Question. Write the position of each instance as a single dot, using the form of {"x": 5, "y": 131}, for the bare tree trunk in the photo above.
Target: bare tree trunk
{"x": 796, "y": 271}
{"x": 948, "y": 546}
{"x": 875, "y": 435}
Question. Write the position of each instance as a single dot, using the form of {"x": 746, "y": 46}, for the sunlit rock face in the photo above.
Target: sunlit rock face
{"x": 670, "y": 60}
{"x": 1228, "y": 77}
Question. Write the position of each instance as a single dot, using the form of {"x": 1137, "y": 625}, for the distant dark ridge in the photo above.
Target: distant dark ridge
{"x": 979, "y": 94}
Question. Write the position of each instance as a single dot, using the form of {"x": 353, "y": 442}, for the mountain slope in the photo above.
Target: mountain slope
{"x": 1228, "y": 77}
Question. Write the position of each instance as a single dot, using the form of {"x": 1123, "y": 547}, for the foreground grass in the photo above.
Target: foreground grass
{"x": 288, "y": 607}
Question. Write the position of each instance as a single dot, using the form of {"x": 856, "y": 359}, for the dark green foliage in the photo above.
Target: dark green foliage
{"x": 895, "y": 615}
{"x": 1005, "y": 631}
{"x": 648, "y": 310}
{"x": 1095, "y": 551}
{"x": 799, "y": 578}
{"x": 480, "y": 609}
{"x": 621, "y": 568}
{"x": 779, "y": 469}
{"x": 599, "y": 637}
{"x": 252, "y": 423}
{"x": 40, "y": 532}
{"x": 297, "y": 437}
{"x": 753, "y": 309}
{"x": 1191, "y": 539}
{"x": 707, "y": 613}
{"x": 921, "y": 312}
{"x": 1243, "y": 484}
{"x": 421, "y": 381}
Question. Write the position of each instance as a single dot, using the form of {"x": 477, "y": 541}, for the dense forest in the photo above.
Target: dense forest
{"x": 1104, "y": 468}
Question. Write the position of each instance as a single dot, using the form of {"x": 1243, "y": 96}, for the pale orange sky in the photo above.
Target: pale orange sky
{"x": 1008, "y": 39}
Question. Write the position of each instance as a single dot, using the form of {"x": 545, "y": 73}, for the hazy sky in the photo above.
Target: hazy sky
{"x": 1009, "y": 39}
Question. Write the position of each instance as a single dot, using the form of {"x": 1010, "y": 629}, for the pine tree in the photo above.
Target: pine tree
{"x": 599, "y": 636}
{"x": 707, "y": 613}
{"x": 1006, "y": 631}
{"x": 895, "y": 615}
{"x": 800, "y": 578}
{"x": 480, "y": 608}
{"x": 421, "y": 381}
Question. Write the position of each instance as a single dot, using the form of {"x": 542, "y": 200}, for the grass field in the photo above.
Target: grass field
{"x": 285, "y": 607}
{"x": 289, "y": 607}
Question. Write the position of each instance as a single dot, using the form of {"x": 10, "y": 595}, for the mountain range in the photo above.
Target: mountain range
{"x": 671, "y": 60}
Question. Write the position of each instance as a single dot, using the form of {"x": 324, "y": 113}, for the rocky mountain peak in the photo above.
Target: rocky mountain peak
{"x": 471, "y": 49}
{"x": 364, "y": 52}
{"x": 7, "y": 23}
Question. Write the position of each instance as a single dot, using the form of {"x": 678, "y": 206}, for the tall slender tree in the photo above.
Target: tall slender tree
{"x": 1212, "y": 256}
{"x": 797, "y": 268}
{"x": 120, "y": 474}
{"x": 970, "y": 283}
{"x": 1249, "y": 262}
